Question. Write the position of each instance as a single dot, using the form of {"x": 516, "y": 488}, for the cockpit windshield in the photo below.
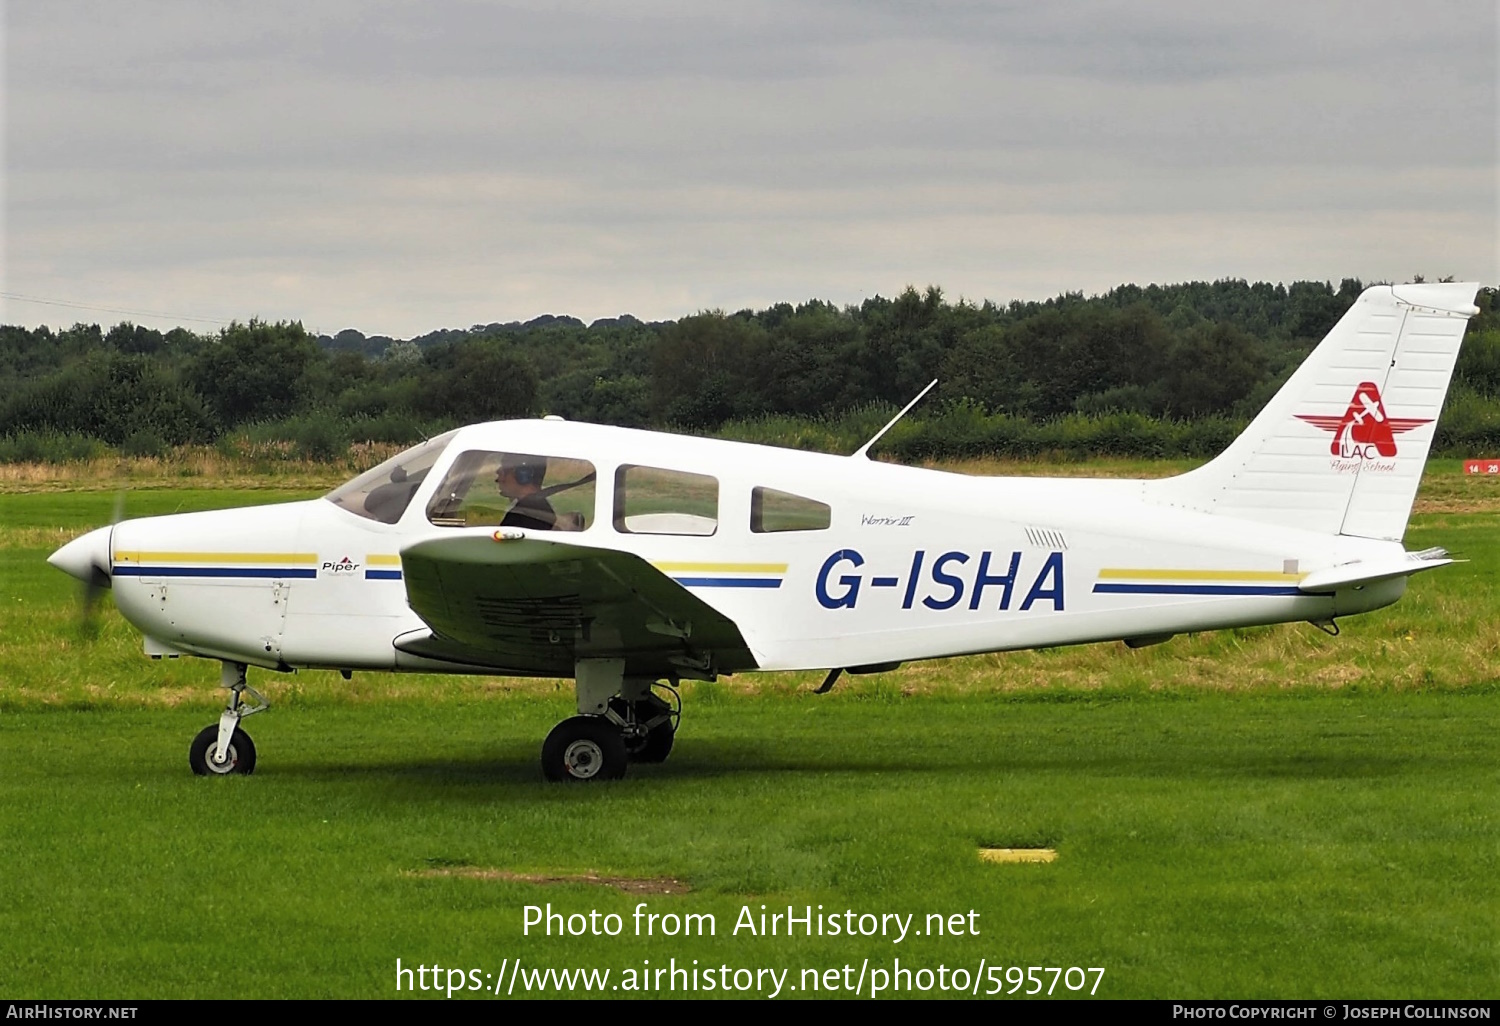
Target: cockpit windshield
{"x": 383, "y": 493}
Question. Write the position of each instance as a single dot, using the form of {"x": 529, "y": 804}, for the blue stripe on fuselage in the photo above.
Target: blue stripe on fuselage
{"x": 1194, "y": 589}
{"x": 728, "y": 582}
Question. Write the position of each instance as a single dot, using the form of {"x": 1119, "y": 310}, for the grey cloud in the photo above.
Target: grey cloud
{"x": 449, "y": 87}
{"x": 693, "y": 153}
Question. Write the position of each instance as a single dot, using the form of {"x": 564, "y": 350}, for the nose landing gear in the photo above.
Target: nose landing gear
{"x": 223, "y": 748}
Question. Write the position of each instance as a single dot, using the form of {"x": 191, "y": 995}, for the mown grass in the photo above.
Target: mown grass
{"x": 1317, "y": 845}
{"x": 1265, "y": 812}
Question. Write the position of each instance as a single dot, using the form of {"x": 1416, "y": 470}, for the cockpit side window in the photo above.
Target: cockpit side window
{"x": 650, "y": 500}
{"x": 772, "y": 511}
{"x": 383, "y": 492}
{"x": 486, "y": 487}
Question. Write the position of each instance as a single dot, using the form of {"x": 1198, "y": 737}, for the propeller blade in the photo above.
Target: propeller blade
{"x": 88, "y": 603}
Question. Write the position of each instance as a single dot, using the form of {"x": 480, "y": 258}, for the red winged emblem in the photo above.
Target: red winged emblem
{"x": 1364, "y": 424}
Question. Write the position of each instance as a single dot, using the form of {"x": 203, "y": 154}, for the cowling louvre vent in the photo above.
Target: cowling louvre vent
{"x": 1046, "y": 538}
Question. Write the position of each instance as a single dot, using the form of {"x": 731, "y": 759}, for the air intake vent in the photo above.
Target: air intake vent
{"x": 1046, "y": 538}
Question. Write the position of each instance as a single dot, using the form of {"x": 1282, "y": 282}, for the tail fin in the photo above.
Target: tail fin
{"x": 1340, "y": 449}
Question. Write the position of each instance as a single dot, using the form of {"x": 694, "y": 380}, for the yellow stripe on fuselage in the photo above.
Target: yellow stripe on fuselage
{"x": 1125, "y": 573}
{"x": 282, "y": 558}
{"x": 382, "y": 560}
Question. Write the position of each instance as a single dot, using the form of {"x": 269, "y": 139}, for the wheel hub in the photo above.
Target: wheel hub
{"x": 583, "y": 758}
{"x": 225, "y": 767}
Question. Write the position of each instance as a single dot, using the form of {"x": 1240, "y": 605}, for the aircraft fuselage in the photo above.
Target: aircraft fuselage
{"x": 912, "y": 564}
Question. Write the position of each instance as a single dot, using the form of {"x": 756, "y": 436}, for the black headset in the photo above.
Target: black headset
{"x": 529, "y": 473}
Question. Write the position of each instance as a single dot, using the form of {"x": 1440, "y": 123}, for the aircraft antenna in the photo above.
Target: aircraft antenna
{"x": 864, "y": 450}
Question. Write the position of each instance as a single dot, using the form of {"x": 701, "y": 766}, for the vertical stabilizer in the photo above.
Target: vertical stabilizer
{"x": 1341, "y": 447}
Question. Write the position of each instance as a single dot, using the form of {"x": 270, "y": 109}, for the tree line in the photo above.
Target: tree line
{"x": 1184, "y": 364}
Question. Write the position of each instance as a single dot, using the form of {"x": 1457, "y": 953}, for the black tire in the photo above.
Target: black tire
{"x": 584, "y": 748}
{"x": 241, "y": 753}
{"x": 656, "y": 744}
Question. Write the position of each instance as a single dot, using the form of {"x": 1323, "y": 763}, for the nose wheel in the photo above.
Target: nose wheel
{"x": 204, "y": 756}
{"x": 222, "y": 748}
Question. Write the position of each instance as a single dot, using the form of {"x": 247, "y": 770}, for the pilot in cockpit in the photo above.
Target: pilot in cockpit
{"x": 519, "y": 477}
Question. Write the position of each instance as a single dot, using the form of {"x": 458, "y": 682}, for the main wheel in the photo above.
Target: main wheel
{"x": 241, "y": 753}
{"x": 655, "y": 744}
{"x": 584, "y": 748}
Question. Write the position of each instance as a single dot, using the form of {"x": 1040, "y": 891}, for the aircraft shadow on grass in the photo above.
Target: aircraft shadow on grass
{"x": 713, "y": 759}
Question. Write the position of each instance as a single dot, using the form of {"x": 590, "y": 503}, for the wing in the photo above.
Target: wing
{"x": 533, "y": 606}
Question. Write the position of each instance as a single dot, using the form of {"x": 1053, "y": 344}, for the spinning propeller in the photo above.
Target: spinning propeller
{"x": 87, "y": 558}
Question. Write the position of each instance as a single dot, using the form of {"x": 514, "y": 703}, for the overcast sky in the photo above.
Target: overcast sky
{"x": 399, "y": 167}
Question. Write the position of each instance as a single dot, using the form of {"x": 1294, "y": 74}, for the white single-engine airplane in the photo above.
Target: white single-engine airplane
{"x": 625, "y": 558}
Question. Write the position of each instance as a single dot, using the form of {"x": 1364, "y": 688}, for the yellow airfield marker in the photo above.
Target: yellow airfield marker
{"x": 1017, "y": 855}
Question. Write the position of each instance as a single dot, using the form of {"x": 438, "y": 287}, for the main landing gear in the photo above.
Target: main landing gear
{"x": 223, "y": 748}
{"x": 621, "y": 720}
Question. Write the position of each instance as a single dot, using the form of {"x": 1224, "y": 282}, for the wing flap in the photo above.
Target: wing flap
{"x": 540, "y": 605}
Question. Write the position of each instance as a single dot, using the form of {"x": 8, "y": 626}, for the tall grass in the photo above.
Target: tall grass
{"x": 50, "y": 447}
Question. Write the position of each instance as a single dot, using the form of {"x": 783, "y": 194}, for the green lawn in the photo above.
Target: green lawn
{"x": 1250, "y": 813}
{"x": 1294, "y": 845}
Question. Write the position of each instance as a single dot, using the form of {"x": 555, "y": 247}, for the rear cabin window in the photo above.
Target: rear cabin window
{"x": 487, "y": 488}
{"x": 649, "y": 500}
{"x": 772, "y": 511}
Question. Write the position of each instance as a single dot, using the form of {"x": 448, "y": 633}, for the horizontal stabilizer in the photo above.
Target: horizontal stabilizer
{"x": 1359, "y": 573}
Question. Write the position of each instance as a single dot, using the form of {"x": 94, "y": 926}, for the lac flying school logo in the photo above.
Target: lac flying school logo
{"x": 1364, "y": 432}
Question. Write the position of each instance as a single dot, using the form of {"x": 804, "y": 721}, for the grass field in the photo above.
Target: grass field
{"x": 1267, "y": 812}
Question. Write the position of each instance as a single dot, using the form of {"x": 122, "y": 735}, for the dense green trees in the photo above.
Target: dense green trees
{"x": 1131, "y": 370}
{"x": 258, "y": 371}
{"x": 477, "y": 379}
{"x": 116, "y": 397}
